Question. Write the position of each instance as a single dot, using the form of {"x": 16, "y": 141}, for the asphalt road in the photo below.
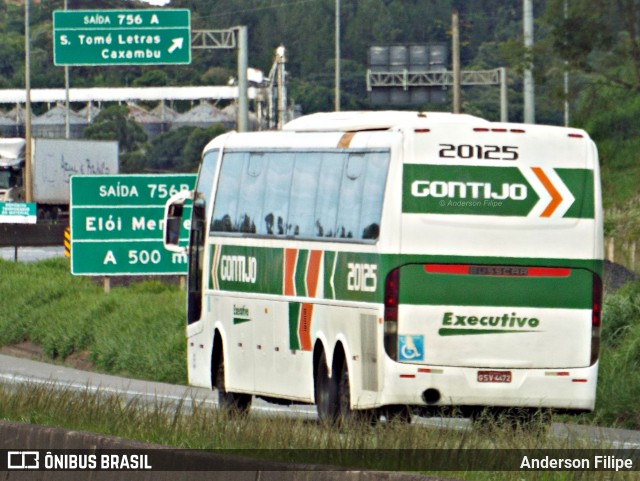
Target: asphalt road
{"x": 21, "y": 370}
{"x": 31, "y": 254}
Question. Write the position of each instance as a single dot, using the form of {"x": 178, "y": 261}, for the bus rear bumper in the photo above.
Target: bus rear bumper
{"x": 440, "y": 386}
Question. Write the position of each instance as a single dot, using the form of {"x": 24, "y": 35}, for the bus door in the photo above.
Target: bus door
{"x": 201, "y": 206}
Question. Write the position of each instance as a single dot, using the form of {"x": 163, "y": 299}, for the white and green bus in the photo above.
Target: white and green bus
{"x": 387, "y": 261}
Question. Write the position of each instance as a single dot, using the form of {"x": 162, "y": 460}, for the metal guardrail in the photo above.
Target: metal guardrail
{"x": 31, "y": 235}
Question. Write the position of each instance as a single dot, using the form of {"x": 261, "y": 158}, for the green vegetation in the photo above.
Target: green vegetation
{"x": 135, "y": 331}
{"x": 619, "y": 384}
{"x": 138, "y": 330}
{"x": 288, "y": 439}
{"x": 595, "y": 41}
{"x": 178, "y": 150}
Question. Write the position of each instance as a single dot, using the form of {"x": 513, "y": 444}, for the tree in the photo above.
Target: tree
{"x": 113, "y": 123}
{"x": 599, "y": 37}
{"x": 165, "y": 152}
{"x": 194, "y": 146}
{"x": 152, "y": 78}
{"x": 180, "y": 150}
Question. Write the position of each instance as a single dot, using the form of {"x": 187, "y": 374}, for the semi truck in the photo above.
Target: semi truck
{"x": 54, "y": 161}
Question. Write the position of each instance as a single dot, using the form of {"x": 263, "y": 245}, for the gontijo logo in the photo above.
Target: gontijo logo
{"x": 500, "y": 191}
{"x": 239, "y": 269}
{"x": 463, "y": 190}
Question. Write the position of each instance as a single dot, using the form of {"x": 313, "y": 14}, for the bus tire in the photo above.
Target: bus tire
{"x": 326, "y": 393}
{"x": 234, "y": 403}
{"x": 346, "y": 415}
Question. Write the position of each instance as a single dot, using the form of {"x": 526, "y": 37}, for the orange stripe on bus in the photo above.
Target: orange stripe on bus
{"x": 345, "y": 140}
{"x": 290, "y": 258}
{"x": 304, "y": 326}
{"x": 556, "y": 198}
{"x": 313, "y": 272}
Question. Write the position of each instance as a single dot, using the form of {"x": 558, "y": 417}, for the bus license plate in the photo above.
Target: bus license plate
{"x": 494, "y": 376}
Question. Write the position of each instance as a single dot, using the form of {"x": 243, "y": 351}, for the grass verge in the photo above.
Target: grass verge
{"x": 135, "y": 331}
{"x": 138, "y": 331}
{"x": 285, "y": 438}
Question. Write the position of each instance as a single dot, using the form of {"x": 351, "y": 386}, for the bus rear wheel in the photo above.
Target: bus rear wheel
{"x": 234, "y": 403}
{"x": 326, "y": 393}
{"x": 346, "y": 415}
{"x": 333, "y": 396}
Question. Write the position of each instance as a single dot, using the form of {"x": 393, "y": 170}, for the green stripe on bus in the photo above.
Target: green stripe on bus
{"x": 294, "y": 316}
{"x": 579, "y": 180}
{"x": 240, "y": 320}
{"x": 422, "y": 288}
{"x": 472, "y": 190}
{"x": 329, "y": 259}
{"x": 260, "y": 270}
{"x": 481, "y": 190}
{"x": 472, "y": 332}
{"x": 250, "y": 269}
{"x": 301, "y": 270}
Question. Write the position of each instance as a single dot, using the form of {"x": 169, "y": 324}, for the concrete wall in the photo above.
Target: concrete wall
{"x": 214, "y": 466}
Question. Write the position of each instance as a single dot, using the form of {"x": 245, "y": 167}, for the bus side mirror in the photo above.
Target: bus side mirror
{"x": 173, "y": 220}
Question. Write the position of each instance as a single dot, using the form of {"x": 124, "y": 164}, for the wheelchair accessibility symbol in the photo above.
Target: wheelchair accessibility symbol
{"x": 410, "y": 348}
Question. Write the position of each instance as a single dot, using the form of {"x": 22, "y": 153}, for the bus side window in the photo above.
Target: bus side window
{"x": 277, "y": 190}
{"x": 326, "y": 208}
{"x": 303, "y": 195}
{"x": 375, "y": 180}
{"x": 307, "y": 195}
{"x": 351, "y": 192}
{"x": 226, "y": 205}
{"x": 251, "y": 193}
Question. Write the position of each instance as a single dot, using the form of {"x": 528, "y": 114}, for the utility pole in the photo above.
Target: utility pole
{"x": 337, "y": 55}
{"x": 529, "y": 87}
{"x": 566, "y": 74}
{"x": 27, "y": 119}
{"x": 236, "y": 37}
{"x": 67, "y": 115}
{"x": 243, "y": 64}
{"x": 455, "y": 54}
{"x": 282, "y": 88}
{"x": 504, "y": 99}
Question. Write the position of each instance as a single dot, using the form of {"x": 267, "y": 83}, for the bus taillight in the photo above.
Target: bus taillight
{"x": 391, "y": 296}
{"x": 596, "y": 317}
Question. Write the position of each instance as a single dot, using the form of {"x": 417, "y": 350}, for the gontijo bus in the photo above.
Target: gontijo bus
{"x": 369, "y": 261}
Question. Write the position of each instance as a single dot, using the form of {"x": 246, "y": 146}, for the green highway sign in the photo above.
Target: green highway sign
{"x": 126, "y": 258}
{"x": 129, "y": 222}
{"x": 117, "y": 224}
{"x": 136, "y": 190}
{"x": 121, "y": 37}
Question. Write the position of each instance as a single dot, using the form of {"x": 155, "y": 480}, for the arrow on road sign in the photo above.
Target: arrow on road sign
{"x": 177, "y": 43}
